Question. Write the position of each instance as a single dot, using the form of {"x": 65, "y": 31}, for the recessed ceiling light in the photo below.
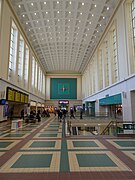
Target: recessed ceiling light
{"x": 81, "y": 13}
{"x": 92, "y": 15}
{"x": 58, "y": 20}
{"x": 46, "y": 12}
{"x": 69, "y": 12}
{"x": 78, "y": 27}
{"x": 19, "y": 6}
{"x": 37, "y": 21}
{"x": 49, "y": 27}
{"x": 32, "y": 4}
{"x": 86, "y": 34}
{"x": 89, "y": 22}
{"x": 95, "y": 5}
{"x": 44, "y": 2}
{"x": 69, "y": 20}
{"x": 57, "y": 2}
{"x": 42, "y": 39}
{"x": 23, "y": 15}
{"x": 100, "y": 25}
{"x": 70, "y": 2}
{"x": 88, "y": 29}
{"x": 47, "y": 20}
{"x": 26, "y": 22}
{"x": 107, "y": 8}
{"x": 39, "y": 28}
{"x": 35, "y": 14}
{"x": 29, "y": 29}
{"x": 82, "y": 4}
{"x": 79, "y": 21}
{"x": 103, "y": 17}
{"x": 97, "y": 31}
{"x": 58, "y": 11}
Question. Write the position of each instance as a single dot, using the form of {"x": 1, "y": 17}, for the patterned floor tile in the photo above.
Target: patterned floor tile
{"x": 95, "y": 161}
{"x": 130, "y": 154}
{"x": 42, "y": 145}
{"x": 8, "y": 144}
{"x": 15, "y": 135}
{"x": 123, "y": 143}
{"x": 85, "y": 144}
{"x": 47, "y": 135}
{"x": 33, "y": 162}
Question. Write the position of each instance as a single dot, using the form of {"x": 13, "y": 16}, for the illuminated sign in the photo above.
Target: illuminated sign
{"x": 16, "y": 96}
{"x": 63, "y": 102}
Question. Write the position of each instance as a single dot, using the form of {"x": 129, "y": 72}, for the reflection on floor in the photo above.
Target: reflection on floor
{"x": 41, "y": 151}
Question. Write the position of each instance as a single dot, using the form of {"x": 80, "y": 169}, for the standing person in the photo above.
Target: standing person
{"x": 38, "y": 116}
{"x": 72, "y": 114}
{"x": 60, "y": 115}
{"x": 81, "y": 112}
{"x": 22, "y": 114}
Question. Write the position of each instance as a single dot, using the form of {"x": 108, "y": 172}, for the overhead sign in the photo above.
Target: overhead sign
{"x": 16, "y": 96}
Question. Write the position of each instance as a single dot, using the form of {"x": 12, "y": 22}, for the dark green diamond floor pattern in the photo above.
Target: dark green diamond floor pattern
{"x": 39, "y": 144}
{"x": 125, "y": 143}
{"x": 94, "y": 160}
{"x": 5, "y": 144}
{"x": 84, "y": 144}
{"x": 33, "y": 161}
{"x": 48, "y": 135}
{"x": 14, "y": 135}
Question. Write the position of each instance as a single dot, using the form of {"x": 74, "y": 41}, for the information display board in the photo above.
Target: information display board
{"x": 16, "y": 96}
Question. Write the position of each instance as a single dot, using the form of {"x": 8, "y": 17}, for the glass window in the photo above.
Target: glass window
{"x": 133, "y": 19}
{"x": 26, "y": 65}
{"x": 36, "y": 68}
{"x": 13, "y": 50}
{"x": 21, "y": 58}
{"x": 33, "y": 71}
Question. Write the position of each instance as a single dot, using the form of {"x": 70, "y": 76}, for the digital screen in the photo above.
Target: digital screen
{"x": 26, "y": 99}
{"x": 10, "y": 94}
{"x": 2, "y": 102}
{"x": 22, "y": 98}
{"x": 17, "y": 96}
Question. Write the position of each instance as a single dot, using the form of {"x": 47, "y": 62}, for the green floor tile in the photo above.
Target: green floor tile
{"x": 94, "y": 160}
{"x": 41, "y": 144}
{"x": 14, "y": 135}
{"x": 33, "y": 161}
{"x": 48, "y": 135}
{"x": 5, "y": 144}
{"x": 125, "y": 143}
{"x": 84, "y": 144}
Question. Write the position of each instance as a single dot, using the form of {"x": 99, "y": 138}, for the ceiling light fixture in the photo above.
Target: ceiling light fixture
{"x": 80, "y": 13}
{"x": 44, "y": 2}
{"x": 19, "y": 6}
{"x": 107, "y": 8}
{"x": 46, "y": 12}
{"x": 103, "y": 17}
{"x": 37, "y": 21}
{"x": 57, "y": 2}
{"x": 92, "y": 15}
{"x": 32, "y": 4}
{"x": 35, "y": 14}
{"x": 23, "y": 15}
{"x": 58, "y": 12}
{"x": 95, "y": 5}
{"x": 82, "y": 4}
{"x": 26, "y": 22}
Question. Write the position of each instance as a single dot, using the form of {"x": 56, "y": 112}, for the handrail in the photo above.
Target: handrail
{"x": 107, "y": 128}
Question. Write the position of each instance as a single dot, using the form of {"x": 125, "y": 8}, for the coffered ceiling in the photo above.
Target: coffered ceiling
{"x": 64, "y": 33}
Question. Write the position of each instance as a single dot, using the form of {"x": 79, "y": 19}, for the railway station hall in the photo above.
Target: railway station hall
{"x": 67, "y": 89}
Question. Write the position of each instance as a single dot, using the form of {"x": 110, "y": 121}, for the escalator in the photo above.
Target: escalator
{"x": 74, "y": 131}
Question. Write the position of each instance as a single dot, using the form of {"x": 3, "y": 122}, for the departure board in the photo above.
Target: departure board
{"x": 22, "y": 98}
{"x": 16, "y": 96}
{"x": 10, "y": 94}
